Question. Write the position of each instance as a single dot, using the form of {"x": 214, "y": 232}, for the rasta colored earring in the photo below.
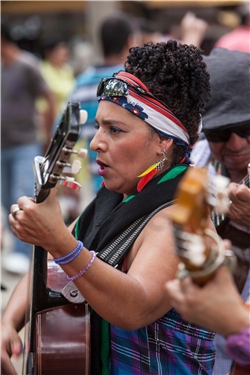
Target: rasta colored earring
{"x": 151, "y": 171}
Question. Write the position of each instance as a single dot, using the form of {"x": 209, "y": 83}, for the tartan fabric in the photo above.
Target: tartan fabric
{"x": 169, "y": 346}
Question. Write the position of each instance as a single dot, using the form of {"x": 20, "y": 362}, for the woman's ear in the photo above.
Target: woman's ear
{"x": 165, "y": 144}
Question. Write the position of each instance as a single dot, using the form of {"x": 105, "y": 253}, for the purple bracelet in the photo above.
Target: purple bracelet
{"x": 238, "y": 347}
{"x": 85, "y": 269}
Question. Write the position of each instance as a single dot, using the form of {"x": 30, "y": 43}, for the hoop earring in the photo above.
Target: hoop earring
{"x": 151, "y": 171}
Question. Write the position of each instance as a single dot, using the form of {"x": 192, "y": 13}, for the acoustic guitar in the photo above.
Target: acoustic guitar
{"x": 57, "y": 335}
{"x": 201, "y": 250}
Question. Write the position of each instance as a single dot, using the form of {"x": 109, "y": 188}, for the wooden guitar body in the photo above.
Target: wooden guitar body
{"x": 62, "y": 333}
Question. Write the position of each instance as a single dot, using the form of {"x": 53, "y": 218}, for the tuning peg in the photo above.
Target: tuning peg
{"x": 76, "y": 167}
{"x": 73, "y": 168}
{"x": 83, "y": 116}
{"x": 82, "y": 153}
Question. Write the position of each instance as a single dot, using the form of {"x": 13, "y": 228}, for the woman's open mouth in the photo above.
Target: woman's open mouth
{"x": 103, "y": 168}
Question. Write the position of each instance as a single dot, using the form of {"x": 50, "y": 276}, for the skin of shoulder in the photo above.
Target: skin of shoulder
{"x": 152, "y": 260}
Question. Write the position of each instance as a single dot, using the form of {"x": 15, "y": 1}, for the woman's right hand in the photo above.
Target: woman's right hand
{"x": 11, "y": 344}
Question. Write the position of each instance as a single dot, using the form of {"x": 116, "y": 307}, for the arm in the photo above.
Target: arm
{"x": 11, "y": 323}
{"x": 193, "y": 29}
{"x": 217, "y": 306}
{"x": 239, "y": 208}
{"x": 129, "y": 301}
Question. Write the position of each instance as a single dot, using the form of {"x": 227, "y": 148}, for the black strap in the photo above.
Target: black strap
{"x": 115, "y": 251}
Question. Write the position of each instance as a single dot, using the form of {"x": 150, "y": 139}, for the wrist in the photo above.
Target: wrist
{"x": 8, "y": 321}
{"x": 239, "y": 322}
{"x": 63, "y": 246}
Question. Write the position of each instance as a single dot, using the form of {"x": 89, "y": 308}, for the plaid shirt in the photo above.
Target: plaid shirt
{"x": 169, "y": 346}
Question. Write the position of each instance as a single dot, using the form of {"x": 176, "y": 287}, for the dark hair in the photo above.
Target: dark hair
{"x": 5, "y": 33}
{"x": 50, "y": 44}
{"x": 114, "y": 33}
{"x": 175, "y": 74}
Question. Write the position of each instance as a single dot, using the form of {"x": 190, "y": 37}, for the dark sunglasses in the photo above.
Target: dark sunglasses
{"x": 118, "y": 87}
{"x": 242, "y": 131}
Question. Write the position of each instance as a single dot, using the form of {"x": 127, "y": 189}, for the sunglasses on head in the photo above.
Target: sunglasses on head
{"x": 118, "y": 87}
{"x": 242, "y": 131}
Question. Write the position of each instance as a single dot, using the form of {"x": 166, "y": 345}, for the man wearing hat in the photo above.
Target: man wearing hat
{"x": 226, "y": 147}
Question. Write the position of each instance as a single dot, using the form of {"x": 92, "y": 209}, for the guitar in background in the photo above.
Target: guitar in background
{"x": 199, "y": 248}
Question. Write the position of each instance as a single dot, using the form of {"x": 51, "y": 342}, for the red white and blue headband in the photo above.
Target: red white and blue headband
{"x": 129, "y": 92}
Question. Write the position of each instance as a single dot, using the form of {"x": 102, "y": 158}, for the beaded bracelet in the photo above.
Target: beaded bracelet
{"x": 73, "y": 254}
{"x": 85, "y": 269}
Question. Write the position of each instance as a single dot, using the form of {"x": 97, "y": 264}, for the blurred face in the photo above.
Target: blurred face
{"x": 59, "y": 55}
{"x": 233, "y": 154}
{"x": 125, "y": 147}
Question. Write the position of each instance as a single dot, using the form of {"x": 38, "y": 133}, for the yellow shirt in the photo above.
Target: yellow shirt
{"x": 61, "y": 81}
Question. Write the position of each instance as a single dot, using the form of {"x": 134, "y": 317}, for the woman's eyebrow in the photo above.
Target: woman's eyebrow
{"x": 110, "y": 122}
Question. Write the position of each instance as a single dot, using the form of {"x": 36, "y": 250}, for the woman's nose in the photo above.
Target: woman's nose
{"x": 98, "y": 142}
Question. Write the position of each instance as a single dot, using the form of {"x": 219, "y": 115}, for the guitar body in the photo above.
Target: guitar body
{"x": 62, "y": 333}
{"x": 57, "y": 341}
{"x": 240, "y": 246}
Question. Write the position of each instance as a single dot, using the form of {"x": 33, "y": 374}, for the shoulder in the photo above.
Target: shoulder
{"x": 159, "y": 226}
{"x": 29, "y": 60}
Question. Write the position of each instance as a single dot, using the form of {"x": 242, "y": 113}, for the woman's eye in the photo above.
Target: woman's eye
{"x": 114, "y": 130}
{"x": 96, "y": 126}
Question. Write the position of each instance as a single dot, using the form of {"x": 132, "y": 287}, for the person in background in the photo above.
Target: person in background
{"x": 226, "y": 149}
{"x": 117, "y": 35}
{"x": 239, "y": 38}
{"x": 149, "y": 32}
{"x": 58, "y": 75}
{"x": 21, "y": 85}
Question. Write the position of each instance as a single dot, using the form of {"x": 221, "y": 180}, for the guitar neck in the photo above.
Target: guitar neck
{"x": 47, "y": 172}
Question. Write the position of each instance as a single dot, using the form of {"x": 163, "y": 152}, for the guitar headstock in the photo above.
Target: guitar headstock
{"x": 191, "y": 209}
{"x": 51, "y": 168}
{"x": 199, "y": 248}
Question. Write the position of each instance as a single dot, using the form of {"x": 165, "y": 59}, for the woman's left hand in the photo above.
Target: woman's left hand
{"x": 38, "y": 224}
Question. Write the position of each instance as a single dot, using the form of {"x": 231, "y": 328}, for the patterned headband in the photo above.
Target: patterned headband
{"x": 148, "y": 108}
